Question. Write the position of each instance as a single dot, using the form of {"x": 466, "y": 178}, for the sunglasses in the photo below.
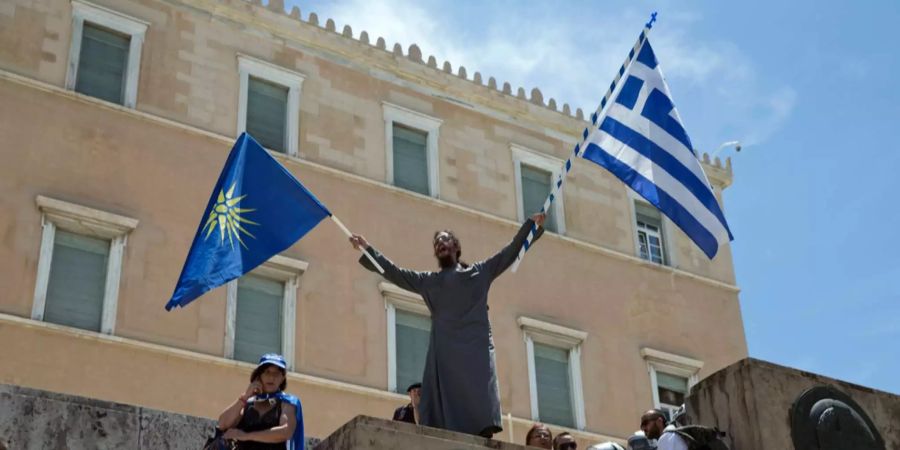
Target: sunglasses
{"x": 568, "y": 446}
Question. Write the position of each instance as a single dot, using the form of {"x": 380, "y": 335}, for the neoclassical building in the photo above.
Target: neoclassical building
{"x": 116, "y": 117}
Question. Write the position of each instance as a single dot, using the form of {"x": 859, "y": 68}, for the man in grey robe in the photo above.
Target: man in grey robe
{"x": 459, "y": 386}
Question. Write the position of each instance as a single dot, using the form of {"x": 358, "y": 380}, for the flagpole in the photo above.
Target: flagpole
{"x": 596, "y": 119}
{"x": 349, "y": 234}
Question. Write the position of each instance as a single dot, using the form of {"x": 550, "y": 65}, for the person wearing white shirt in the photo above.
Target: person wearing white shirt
{"x": 670, "y": 440}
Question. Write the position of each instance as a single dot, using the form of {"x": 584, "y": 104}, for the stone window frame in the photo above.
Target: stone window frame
{"x": 529, "y": 157}
{"x": 249, "y": 66}
{"x": 667, "y": 232}
{"x": 135, "y": 28}
{"x": 418, "y": 121}
{"x": 58, "y": 214}
{"x": 397, "y": 298}
{"x": 282, "y": 269}
{"x": 559, "y": 336}
{"x": 672, "y": 364}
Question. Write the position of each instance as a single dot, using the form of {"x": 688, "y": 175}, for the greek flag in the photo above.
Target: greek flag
{"x": 641, "y": 140}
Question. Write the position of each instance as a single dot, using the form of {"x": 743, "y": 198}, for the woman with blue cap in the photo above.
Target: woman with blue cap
{"x": 264, "y": 417}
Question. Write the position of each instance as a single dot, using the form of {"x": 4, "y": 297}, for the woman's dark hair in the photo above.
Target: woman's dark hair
{"x": 455, "y": 240}
{"x": 257, "y": 372}
{"x": 534, "y": 429}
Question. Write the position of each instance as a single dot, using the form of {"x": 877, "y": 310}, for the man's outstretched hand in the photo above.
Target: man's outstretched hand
{"x": 539, "y": 219}
{"x": 359, "y": 242}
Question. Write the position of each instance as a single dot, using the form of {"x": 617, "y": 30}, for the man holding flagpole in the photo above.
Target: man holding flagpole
{"x": 459, "y": 386}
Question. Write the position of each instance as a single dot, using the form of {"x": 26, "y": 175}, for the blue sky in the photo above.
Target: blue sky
{"x": 811, "y": 88}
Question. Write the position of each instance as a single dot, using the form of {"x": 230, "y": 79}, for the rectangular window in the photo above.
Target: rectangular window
{"x": 80, "y": 264}
{"x": 267, "y": 113}
{"x": 554, "y": 372}
{"x": 535, "y": 189}
{"x": 671, "y": 376}
{"x": 671, "y": 390}
{"x": 649, "y": 233}
{"x": 103, "y": 63}
{"x": 269, "y": 104}
{"x": 261, "y": 311}
{"x": 258, "y": 324}
{"x": 554, "y": 391}
{"x": 410, "y": 159}
{"x": 535, "y": 173}
{"x": 105, "y": 53}
{"x": 412, "y": 336}
{"x": 411, "y": 150}
{"x": 77, "y": 281}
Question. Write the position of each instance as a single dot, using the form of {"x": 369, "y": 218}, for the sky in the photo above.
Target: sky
{"x": 809, "y": 88}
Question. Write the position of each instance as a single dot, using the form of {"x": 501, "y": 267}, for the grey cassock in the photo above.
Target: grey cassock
{"x": 459, "y": 386}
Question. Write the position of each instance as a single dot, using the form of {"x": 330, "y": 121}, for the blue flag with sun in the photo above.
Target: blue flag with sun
{"x": 256, "y": 210}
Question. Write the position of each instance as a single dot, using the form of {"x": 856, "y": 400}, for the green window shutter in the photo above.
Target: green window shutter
{"x": 411, "y": 159}
{"x": 77, "y": 281}
{"x": 258, "y": 322}
{"x": 267, "y": 113}
{"x": 535, "y": 189}
{"x": 413, "y": 333}
{"x": 551, "y": 367}
{"x": 670, "y": 388}
{"x": 102, "y": 64}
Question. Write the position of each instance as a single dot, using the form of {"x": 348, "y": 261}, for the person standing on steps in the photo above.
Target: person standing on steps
{"x": 459, "y": 385}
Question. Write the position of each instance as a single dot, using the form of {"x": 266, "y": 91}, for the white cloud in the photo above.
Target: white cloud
{"x": 573, "y": 60}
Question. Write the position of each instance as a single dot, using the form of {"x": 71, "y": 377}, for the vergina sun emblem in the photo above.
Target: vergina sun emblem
{"x": 226, "y": 216}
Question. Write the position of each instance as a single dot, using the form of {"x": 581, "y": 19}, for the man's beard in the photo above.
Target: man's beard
{"x": 446, "y": 261}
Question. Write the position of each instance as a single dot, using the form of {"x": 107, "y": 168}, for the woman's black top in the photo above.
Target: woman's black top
{"x": 251, "y": 421}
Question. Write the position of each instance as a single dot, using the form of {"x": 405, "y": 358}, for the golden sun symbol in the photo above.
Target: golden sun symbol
{"x": 226, "y": 216}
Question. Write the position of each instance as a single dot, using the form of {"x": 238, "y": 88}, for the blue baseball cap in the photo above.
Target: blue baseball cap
{"x": 274, "y": 359}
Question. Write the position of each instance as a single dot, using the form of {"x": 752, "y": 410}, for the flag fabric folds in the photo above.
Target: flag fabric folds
{"x": 642, "y": 141}
{"x": 257, "y": 209}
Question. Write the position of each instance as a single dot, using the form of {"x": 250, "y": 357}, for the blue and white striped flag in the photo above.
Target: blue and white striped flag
{"x": 641, "y": 140}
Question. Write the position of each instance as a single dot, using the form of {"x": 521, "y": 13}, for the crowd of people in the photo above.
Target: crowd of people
{"x": 265, "y": 418}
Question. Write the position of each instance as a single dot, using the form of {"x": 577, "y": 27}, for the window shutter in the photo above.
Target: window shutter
{"x": 551, "y": 367}
{"x": 535, "y": 189}
{"x": 77, "y": 281}
{"x": 412, "y": 336}
{"x": 672, "y": 382}
{"x": 102, "y": 64}
{"x": 267, "y": 113}
{"x": 671, "y": 388}
{"x": 259, "y": 318}
{"x": 411, "y": 159}
{"x": 648, "y": 214}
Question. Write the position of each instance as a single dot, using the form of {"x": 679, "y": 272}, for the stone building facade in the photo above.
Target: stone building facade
{"x": 116, "y": 118}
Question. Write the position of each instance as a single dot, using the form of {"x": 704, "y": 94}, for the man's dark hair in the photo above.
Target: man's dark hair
{"x": 559, "y": 438}
{"x": 654, "y": 414}
{"x": 453, "y": 239}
